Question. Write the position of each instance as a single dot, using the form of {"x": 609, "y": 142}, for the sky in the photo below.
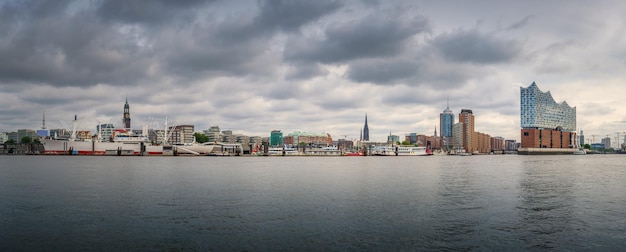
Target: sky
{"x": 314, "y": 66}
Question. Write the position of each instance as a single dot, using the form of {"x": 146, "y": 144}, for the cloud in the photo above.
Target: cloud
{"x": 303, "y": 71}
{"x": 519, "y": 24}
{"x": 369, "y": 36}
{"x": 68, "y": 50}
{"x": 383, "y": 71}
{"x": 473, "y": 46}
{"x": 289, "y": 15}
{"x": 153, "y": 12}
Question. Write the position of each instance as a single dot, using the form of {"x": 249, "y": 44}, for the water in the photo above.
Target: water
{"x": 312, "y": 203}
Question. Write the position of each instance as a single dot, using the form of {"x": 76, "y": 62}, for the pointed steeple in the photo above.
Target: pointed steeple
{"x": 366, "y": 130}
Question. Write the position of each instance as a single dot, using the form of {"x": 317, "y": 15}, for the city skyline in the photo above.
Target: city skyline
{"x": 256, "y": 66}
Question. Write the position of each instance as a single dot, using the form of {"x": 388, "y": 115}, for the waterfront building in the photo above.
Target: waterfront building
{"x": 411, "y": 138}
{"x": 213, "y": 134}
{"x": 366, "y": 131}
{"x": 457, "y": 135}
{"x": 597, "y": 146}
{"x": 497, "y": 144}
{"x": 467, "y": 118}
{"x": 43, "y": 133}
{"x": 21, "y": 133}
{"x": 393, "y": 139}
{"x": 545, "y": 123}
{"x": 13, "y": 137}
{"x": 581, "y": 138}
{"x": 3, "y": 137}
{"x": 256, "y": 139}
{"x": 430, "y": 142}
{"x": 181, "y": 134}
{"x": 276, "y": 138}
{"x": 105, "y": 130}
{"x": 156, "y": 136}
{"x": 126, "y": 118}
{"x": 446, "y": 122}
{"x": 510, "y": 145}
{"x": 310, "y": 139}
{"x": 345, "y": 144}
{"x": 606, "y": 142}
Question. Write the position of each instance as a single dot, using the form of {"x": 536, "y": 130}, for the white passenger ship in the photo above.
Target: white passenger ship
{"x": 400, "y": 151}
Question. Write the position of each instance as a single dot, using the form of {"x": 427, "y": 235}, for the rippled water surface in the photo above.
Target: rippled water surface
{"x": 313, "y": 203}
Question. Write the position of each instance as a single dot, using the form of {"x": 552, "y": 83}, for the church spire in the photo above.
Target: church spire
{"x": 126, "y": 119}
{"x": 366, "y": 130}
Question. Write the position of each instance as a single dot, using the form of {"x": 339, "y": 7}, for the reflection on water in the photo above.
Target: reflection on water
{"x": 546, "y": 205}
{"x": 313, "y": 203}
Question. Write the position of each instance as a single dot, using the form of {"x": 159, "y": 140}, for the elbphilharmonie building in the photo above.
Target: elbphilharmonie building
{"x": 539, "y": 110}
{"x": 548, "y": 127}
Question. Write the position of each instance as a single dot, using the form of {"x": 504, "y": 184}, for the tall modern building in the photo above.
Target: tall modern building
{"x": 126, "y": 119}
{"x": 582, "y": 138}
{"x": 545, "y": 123}
{"x": 366, "y": 130}
{"x": 446, "y": 122}
{"x": 467, "y": 140}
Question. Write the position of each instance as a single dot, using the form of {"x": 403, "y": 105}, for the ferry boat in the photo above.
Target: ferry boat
{"x": 400, "y": 151}
{"x": 282, "y": 151}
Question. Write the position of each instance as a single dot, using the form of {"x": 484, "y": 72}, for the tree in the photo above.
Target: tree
{"x": 405, "y": 142}
{"x": 10, "y": 141}
{"x": 587, "y": 146}
{"x": 201, "y": 138}
{"x": 26, "y": 140}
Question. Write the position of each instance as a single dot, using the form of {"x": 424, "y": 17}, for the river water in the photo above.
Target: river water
{"x": 497, "y": 202}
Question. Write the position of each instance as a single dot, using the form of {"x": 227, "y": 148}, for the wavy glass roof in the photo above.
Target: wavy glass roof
{"x": 539, "y": 110}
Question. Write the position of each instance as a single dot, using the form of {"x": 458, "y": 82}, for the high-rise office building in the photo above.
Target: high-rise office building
{"x": 467, "y": 140}
{"x": 126, "y": 119}
{"x": 446, "y": 121}
{"x": 545, "y": 123}
{"x": 366, "y": 131}
{"x": 581, "y": 138}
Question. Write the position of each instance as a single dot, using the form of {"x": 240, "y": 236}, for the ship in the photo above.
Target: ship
{"x": 400, "y": 151}
{"x": 123, "y": 143}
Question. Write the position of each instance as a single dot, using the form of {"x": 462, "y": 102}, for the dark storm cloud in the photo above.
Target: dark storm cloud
{"x": 54, "y": 48}
{"x": 473, "y": 46}
{"x": 382, "y": 71}
{"x": 291, "y": 14}
{"x": 238, "y": 46}
{"x": 374, "y": 35}
{"x": 147, "y": 12}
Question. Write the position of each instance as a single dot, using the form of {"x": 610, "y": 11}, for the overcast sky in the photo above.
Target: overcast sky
{"x": 315, "y": 66}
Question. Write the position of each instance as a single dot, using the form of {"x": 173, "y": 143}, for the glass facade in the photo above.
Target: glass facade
{"x": 446, "y": 120}
{"x": 539, "y": 110}
{"x": 276, "y": 138}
